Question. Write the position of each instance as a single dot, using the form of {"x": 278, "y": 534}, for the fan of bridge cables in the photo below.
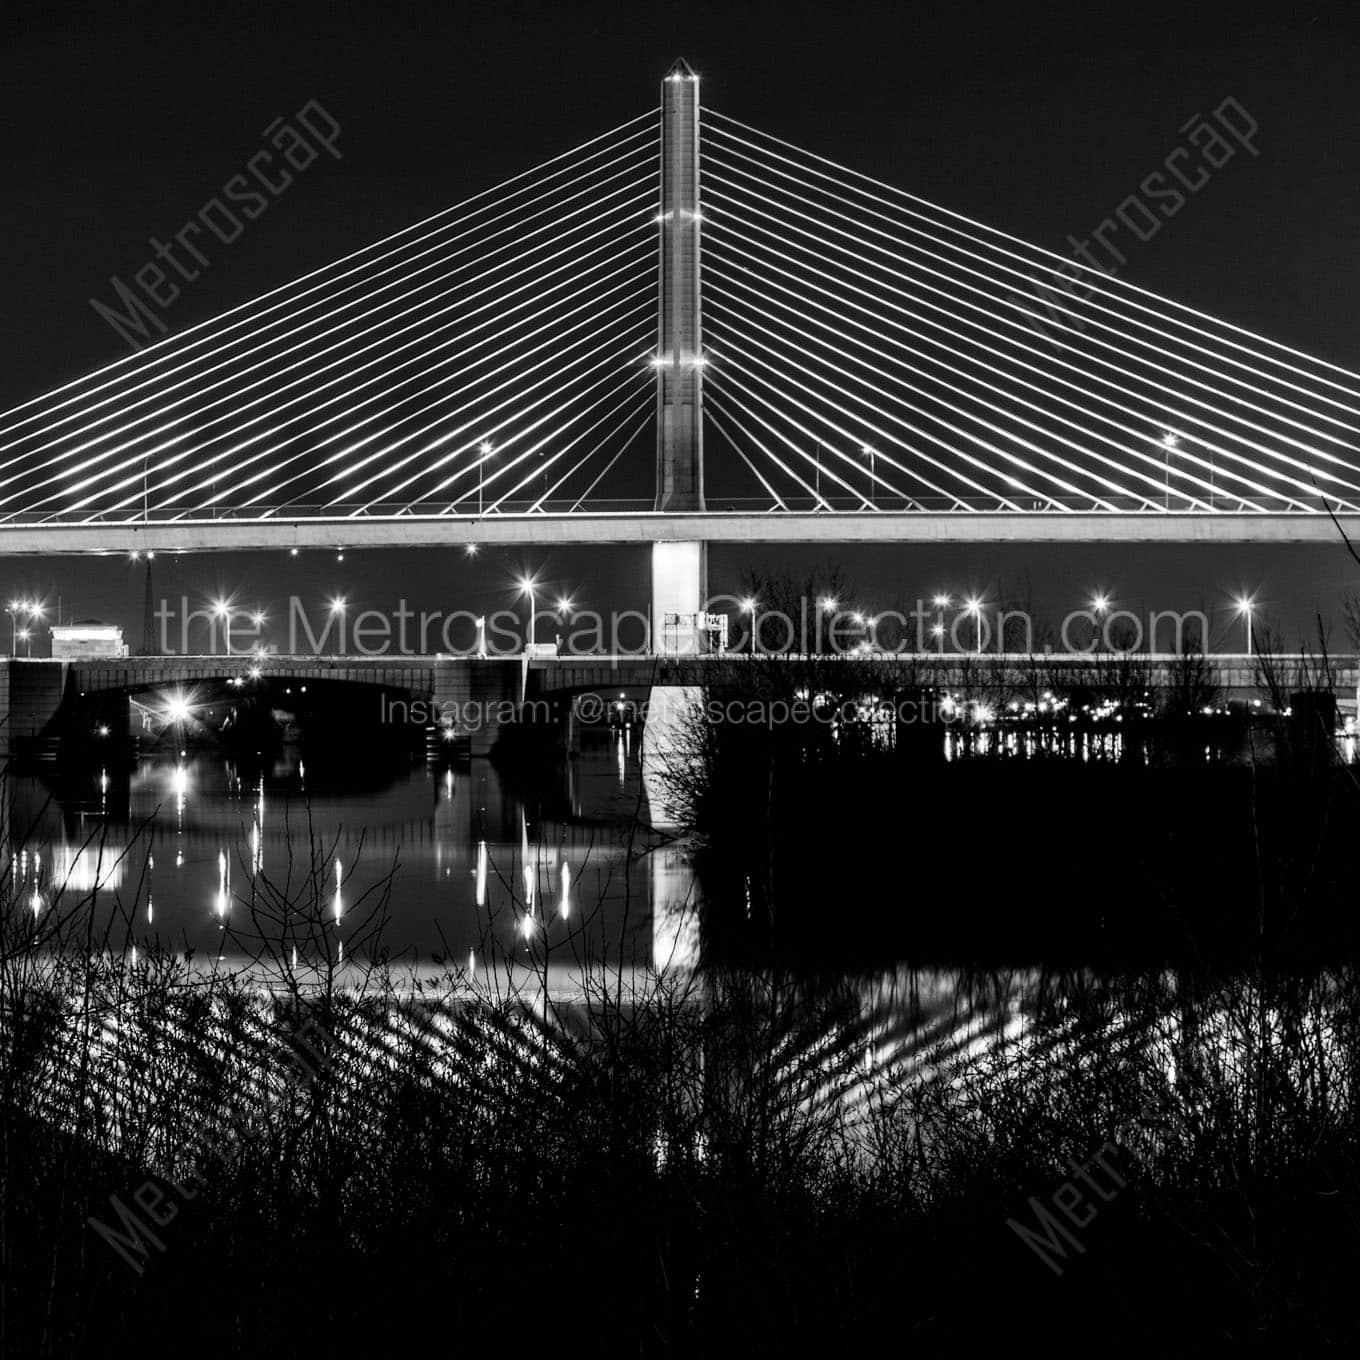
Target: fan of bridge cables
{"x": 869, "y": 350}
{"x": 492, "y": 356}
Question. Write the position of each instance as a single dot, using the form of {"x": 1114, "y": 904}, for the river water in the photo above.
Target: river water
{"x": 210, "y": 854}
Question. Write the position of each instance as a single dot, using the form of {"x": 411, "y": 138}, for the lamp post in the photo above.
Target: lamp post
{"x": 1245, "y": 605}
{"x": 526, "y": 587}
{"x": 1169, "y": 442}
{"x": 974, "y": 607}
{"x": 486, "y": 449}
{"x": 826, "y": 605}
{"x": 1100, "y": 605}
{"x": 337, "y": 607}
{"x": 941, "y": 602}
{"x": 871, "y": 454}
{"x": 749, "y": 606}
{"x": 817, "y": 475}
{"x": 222, "y": 610}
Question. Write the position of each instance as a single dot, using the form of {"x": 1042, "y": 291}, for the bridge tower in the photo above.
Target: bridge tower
{"x": 679, "y": 570}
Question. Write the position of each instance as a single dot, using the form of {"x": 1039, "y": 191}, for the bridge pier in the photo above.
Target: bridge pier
{"x": 30, "y": 695}
{"x": 479, "y": 693}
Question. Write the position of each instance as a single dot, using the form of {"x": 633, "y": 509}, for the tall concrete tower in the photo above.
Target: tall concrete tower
{"x": 679, "y": 356}
{"x": 679, "y": 570}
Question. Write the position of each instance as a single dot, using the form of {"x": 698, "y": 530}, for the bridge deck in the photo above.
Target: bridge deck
{"x": 643, "y": 528}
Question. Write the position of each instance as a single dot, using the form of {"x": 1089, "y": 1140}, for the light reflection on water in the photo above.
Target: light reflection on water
{"x": 474, "y": 869}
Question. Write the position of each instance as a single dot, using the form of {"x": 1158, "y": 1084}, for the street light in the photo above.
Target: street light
{"x": 337, "y": 606}
{"x": 526, "y": 587}
{"x": 1170, "y": 441}
{"x": 749, "y": 604}
{"x": 937, "y": 632}
{"x": 1100, "y": 606}
{"x": 486, "y": 448}
{"x": 1245, "y": 605}
{"x": 828, "y": 604}
{"x": 28, "y": 641}
{"x": 941, "y": 602}
{"x": 973, "y": 606}
{"x": 31, "y": 609}
{"x": 222, "y": 610}
{"x": 871, "y": 454}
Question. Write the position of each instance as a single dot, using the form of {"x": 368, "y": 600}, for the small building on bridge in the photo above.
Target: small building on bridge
{"x": 86, "y": 639}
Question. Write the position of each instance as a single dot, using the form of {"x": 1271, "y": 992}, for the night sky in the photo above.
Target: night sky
{"x": 119, "y": 121}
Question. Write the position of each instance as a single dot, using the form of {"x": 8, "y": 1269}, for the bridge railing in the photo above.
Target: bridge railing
{"x": 717, "y": 505}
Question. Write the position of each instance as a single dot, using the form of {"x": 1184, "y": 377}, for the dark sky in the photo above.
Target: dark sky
{"x": 119, "y": 120}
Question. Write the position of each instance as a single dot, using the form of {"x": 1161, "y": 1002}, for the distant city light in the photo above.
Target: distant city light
{"x": 942, "y": 602}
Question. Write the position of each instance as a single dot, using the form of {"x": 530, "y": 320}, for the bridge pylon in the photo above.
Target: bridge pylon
{"x": 679, "y": 570}
{"x": 679, "y": 355}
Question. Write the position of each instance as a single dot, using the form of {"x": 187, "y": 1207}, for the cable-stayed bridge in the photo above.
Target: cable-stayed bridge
{"x": 768, "y": 347}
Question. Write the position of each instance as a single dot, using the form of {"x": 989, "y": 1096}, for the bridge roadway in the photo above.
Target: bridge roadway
{"x": 643, "y": 528}
{"x": 1235, "y": 675}
{"x": 470, "y": 677}
{"x": 480, "y": 693}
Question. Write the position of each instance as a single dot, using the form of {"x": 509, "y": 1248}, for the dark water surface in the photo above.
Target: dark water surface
{"x": 200, "y": 853}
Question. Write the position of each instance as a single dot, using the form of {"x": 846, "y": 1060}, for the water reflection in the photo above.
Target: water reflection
{"x": 476, "y": 868}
